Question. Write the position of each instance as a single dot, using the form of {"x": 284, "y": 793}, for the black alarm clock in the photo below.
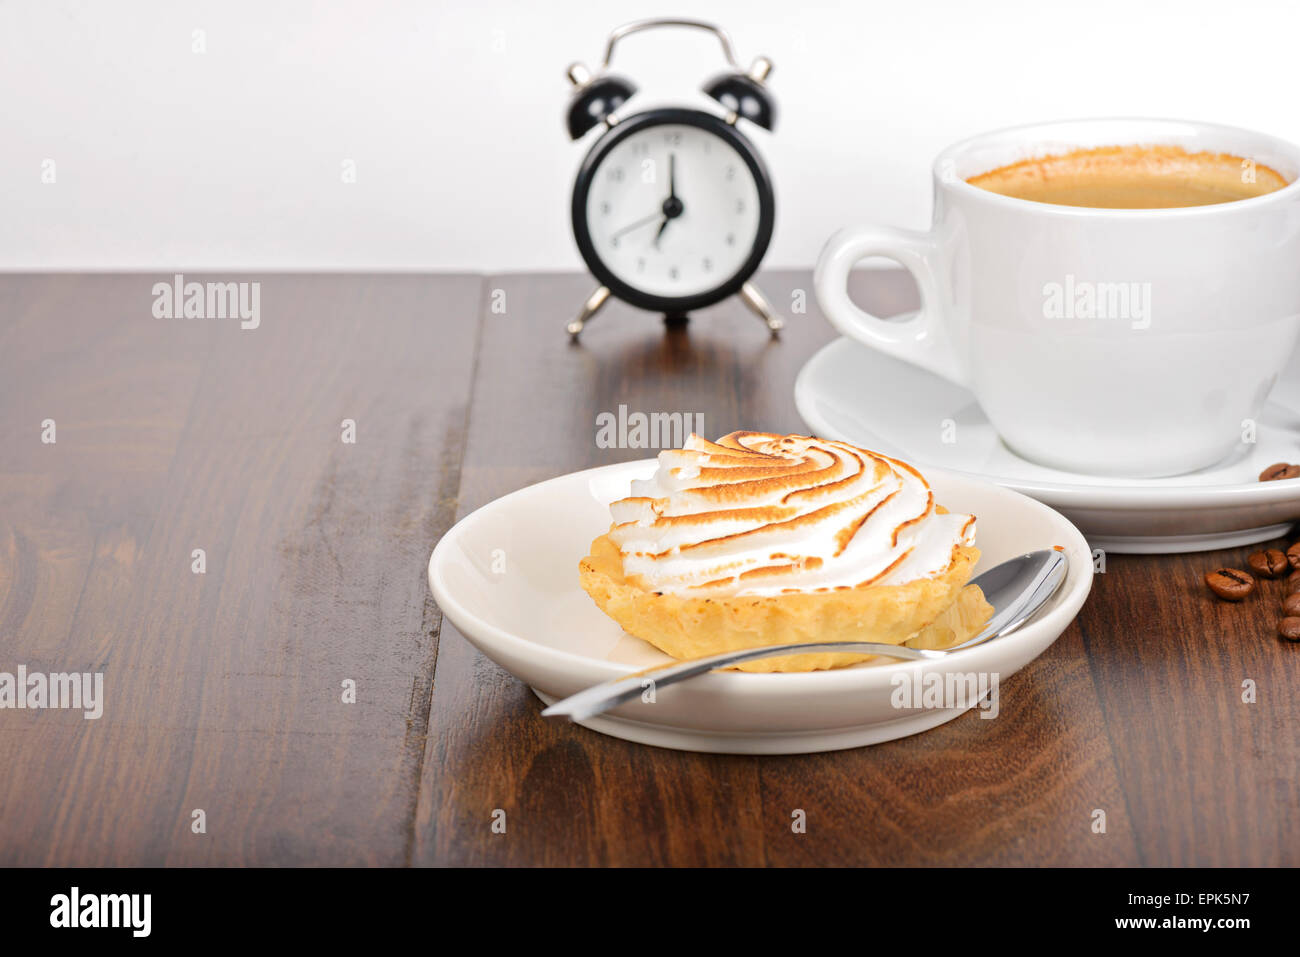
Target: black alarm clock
{"x": 672, "y": 208}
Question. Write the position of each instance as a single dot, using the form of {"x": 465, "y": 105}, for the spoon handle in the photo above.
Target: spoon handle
{"x": 609, "y": 694}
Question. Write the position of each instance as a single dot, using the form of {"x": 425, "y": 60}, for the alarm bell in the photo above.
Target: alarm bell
{"x": 744, "y": 95}
{"x": 594, "y": 99}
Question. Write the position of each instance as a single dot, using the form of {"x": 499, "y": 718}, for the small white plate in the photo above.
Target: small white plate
{"x": 850, "y": 392}
{"x": 507, "y": 577}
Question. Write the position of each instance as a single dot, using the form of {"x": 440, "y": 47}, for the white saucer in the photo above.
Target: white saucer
{"x": 507, "y": 577}
{"x": 852, "y": 393}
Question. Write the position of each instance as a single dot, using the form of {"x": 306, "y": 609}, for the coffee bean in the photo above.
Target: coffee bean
{"x": 1291, "y": 606}
{"x": 1230, "y": 584}
{"x": 1272, "y": 563}
{"x": 1293, "y": 581}
{"x": 1289, "y": 628}
{"x": 1280, "y": 470}
{"x": 1293, "y": 555}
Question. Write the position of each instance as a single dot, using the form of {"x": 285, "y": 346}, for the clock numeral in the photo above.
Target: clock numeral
{"x": 640, "y": 264}
{"x": 740, "y": 205}
{"x": 614, "y": 242}
{"x": 672, "y": 273}
{"x": 673, "y": 139}
{"x": 616, "y": 174}
{"x": 731, "y": 172}
{"x": 731, "y": 239}
{"x": 604, "y": 209}
{"x": 640, "y": 149}
{"x": 708, "y": 264}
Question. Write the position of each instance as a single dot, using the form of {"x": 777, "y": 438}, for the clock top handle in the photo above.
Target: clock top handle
{"x": 596, "y": 98}
{"x": 637, "y": 26}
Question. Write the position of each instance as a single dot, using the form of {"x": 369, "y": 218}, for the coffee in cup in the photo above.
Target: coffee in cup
{"x": 1132, "y": 177}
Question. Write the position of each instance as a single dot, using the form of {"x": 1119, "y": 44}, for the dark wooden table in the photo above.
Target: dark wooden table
{"x": 224, "y": 690}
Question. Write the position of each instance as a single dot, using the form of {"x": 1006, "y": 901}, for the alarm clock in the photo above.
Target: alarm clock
{"x": 673, "y": 207}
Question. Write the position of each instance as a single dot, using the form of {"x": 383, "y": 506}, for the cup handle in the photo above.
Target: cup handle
{"x": 921, "y": 340}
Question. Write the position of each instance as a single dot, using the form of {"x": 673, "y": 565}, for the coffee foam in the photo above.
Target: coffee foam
{"x": 761, "y": 514}
{"x": 1132, "y": 177}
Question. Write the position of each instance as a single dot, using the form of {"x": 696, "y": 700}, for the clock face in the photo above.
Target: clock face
{"x": 674, "y": 211}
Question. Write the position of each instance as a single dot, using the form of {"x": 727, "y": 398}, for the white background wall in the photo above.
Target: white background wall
{"x": 452, "y": 112}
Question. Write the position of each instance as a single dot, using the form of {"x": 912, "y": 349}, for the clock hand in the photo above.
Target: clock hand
{"x": 637, "y": 225}
{"x": 673, "y": 207}
{"x": 662, "y": 227}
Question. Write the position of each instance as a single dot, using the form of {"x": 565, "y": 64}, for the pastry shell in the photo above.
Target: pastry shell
{"x": 927, "y": 613}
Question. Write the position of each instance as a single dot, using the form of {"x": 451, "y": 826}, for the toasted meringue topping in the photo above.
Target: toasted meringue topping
{"x": 760, "y": 514}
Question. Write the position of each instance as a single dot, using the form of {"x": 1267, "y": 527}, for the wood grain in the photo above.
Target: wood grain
{"x": 224, "y": 689}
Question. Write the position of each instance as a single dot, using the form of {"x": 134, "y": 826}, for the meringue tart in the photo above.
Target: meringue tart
{"x": 760, "y": 539}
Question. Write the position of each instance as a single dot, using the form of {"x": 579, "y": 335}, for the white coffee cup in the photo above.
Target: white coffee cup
{"x": 1194, "y": 310}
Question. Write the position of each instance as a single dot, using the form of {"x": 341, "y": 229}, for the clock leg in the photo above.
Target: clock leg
{"x": 758, "y": 304}
{"x": 589, "y": 309}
